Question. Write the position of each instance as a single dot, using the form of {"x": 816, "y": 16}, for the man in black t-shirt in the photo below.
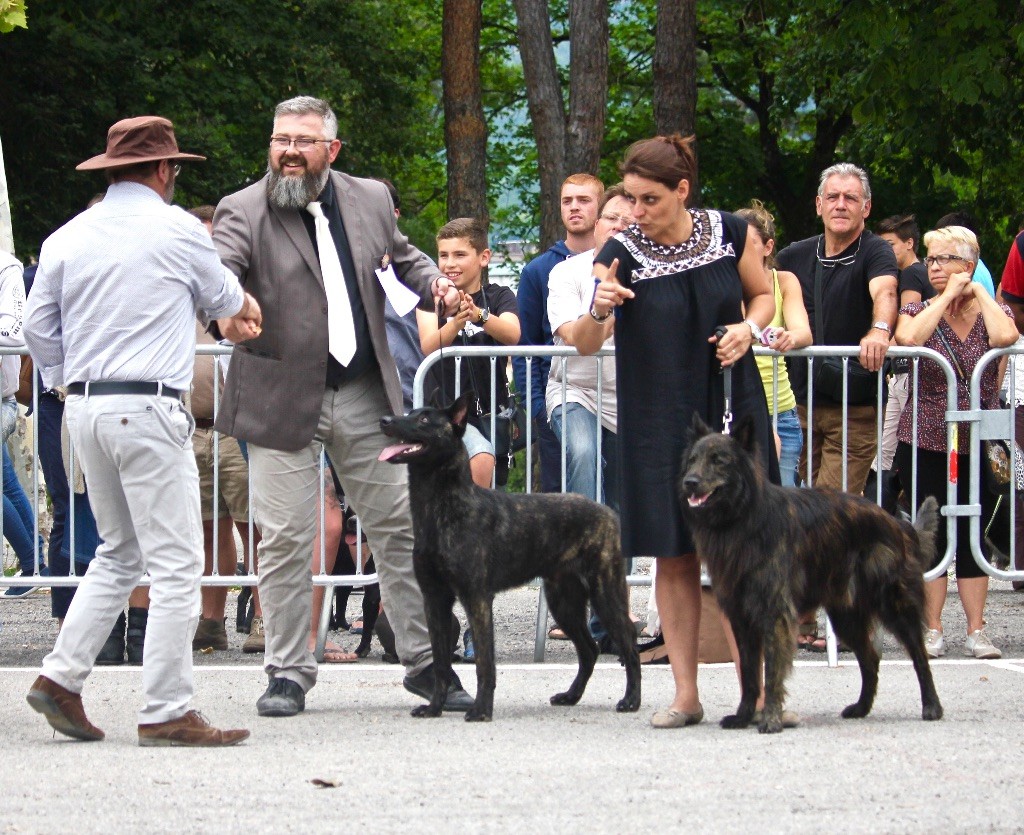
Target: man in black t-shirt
{"x": 857, "y": 275}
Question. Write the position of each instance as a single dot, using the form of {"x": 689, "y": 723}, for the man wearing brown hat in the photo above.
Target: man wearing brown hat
{"x": 111, "y": 319}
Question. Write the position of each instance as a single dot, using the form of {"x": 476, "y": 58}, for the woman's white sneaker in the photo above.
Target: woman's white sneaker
{"x": 979, "y": 646}
{"x": 934, "y": 644}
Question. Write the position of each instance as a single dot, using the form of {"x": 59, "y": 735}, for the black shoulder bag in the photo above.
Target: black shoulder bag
{"x": 509, "y": 423}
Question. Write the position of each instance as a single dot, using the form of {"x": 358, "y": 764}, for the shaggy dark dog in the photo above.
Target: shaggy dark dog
{"x": 775, "y": 551}
{"x": 471, "y": 543}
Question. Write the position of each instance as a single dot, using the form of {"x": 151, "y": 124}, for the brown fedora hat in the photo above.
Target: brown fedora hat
{"x": 141, "y": 139}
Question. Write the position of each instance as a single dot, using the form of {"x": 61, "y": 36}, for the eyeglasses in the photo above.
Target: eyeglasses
{"x": 625, "y": 220}
{"x": 845, "y": 261}
{"x": 944, "y": 259}
{"x": 177, "y": 170}
{"x": 304, "y": 144}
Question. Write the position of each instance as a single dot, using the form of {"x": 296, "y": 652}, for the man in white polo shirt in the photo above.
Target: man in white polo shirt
{"x": 111, "y": 319}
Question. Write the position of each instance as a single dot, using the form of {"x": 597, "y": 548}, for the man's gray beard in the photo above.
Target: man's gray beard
{"x": 295, "y": 192}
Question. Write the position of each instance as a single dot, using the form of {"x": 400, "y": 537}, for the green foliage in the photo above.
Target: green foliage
{"x": 216, "y": 69}
{"x": 12, "y": 15}
{"x": 927, "y": 94}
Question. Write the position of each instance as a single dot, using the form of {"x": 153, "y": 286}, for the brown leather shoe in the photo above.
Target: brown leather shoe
{"x": 62, "y": 709}
{"x": 191, "y": 731}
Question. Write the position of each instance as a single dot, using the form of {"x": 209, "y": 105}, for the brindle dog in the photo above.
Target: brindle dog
{"x": 471, "y": 543}
{"x": 775, "y": 551}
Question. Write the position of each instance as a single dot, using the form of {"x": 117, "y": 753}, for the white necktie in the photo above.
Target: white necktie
{"x": 341, "y": 330}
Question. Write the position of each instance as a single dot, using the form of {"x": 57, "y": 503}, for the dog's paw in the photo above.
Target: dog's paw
{"x": 425, "y": 712}
{"x": 475, "y": 714}
{"x": 628, "y": 704}
{"x": 770, "y": 726}
{"x": 733, "y": 722}
{"x": 855, "y": 711}
{"x": 565, "y": 699}
{"x": 931, "y": 712}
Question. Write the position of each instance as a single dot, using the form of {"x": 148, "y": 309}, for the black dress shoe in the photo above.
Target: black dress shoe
{"x": 283, "y": 698}
{"x": 456, "y": 700}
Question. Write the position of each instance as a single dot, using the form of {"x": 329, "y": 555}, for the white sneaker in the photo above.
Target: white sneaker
{"x": 979, "y": 646}
{"x": 934, "y": 644}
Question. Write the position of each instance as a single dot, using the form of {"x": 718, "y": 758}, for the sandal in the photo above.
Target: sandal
{"x": 807, "y": 638}
{"x": 333, "y": 654}
{"x": 555, "y": 633}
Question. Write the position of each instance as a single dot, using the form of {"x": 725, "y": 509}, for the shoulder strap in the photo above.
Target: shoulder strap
{"x": 949, "y": 350}
{"x": 819, "y": 331}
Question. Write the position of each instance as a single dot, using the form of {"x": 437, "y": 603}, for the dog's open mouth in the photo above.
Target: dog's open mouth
{"x": 697, "y": 501}
{"x": 394, "y": 451}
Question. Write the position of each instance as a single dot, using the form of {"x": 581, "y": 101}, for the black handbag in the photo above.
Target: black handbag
{"x": 861, "y": 384}
{"x": 997, "y": 462}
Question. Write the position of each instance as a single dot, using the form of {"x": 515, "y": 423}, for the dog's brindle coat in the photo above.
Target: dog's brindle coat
{"x": 471, "y": 543}
{"x": 773, "y": 552}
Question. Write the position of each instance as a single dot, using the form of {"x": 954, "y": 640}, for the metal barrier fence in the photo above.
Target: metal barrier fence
{"x": 984, "y": 424}
{"x": 248, "y": 578}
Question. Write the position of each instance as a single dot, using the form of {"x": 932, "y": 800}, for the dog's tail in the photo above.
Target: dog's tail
{"x": 927, "y": 525}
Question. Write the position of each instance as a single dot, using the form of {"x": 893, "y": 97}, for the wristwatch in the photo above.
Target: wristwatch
{"x": 485, "y": 314}
{"x": 883, "y": 326}
{"x": 754, "y": 329}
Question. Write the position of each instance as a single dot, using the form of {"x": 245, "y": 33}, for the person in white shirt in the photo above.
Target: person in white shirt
{"x": 12, "y": 309}
{"x": 111, "y": 319}
{"x": 570, "y": 291}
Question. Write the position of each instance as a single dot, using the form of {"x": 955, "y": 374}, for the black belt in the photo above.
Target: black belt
{"x": 124, "y": 387}
{"x": 203, "y": 423}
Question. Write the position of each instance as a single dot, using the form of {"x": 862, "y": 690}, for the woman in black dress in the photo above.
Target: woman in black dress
{"x": 672, "y": 278}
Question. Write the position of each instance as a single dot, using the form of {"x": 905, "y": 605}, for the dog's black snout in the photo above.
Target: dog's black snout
{"x": 691, "y": 482}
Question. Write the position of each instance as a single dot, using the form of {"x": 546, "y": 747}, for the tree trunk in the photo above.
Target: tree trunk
{"x": 675, "y": 67}
{"x": 675, "y": 72}
{"x": 588, "y": 85}
{"x": 547, "y": 111}
{"x": 465, "y": 131}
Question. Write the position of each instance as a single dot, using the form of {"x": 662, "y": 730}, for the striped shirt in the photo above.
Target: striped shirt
{"x": 117, "y": 292}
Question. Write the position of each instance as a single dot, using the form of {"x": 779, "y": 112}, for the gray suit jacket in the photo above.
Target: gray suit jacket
{"x": 275, "y": 384}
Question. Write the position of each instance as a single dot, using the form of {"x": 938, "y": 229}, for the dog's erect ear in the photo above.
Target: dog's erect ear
{"x": 698, "y": 428}
{"x": 745, "y": 433}
{"x": 459, "y": 410}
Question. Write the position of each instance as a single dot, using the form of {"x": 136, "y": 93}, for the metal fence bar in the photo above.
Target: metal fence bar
{"x": 982, "y": 426}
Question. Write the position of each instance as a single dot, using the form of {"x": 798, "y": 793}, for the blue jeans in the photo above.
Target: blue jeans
{"x": 792, "y": 438}
{"x": 579, "y": 425}
{"x": 58, "y": 554}
{"x": 19, "y": 521}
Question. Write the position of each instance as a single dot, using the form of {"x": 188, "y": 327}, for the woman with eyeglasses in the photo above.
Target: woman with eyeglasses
{"x": 962, "y": 321}
{"x": 673, "y": 278}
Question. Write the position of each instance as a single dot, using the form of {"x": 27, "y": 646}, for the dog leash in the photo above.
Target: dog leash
{"x": 726, "y": 373}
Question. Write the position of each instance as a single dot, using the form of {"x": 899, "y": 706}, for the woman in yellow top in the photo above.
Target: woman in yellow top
{"x": 789, "y": 329}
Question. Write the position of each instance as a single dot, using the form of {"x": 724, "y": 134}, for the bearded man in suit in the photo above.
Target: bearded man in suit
{"x": 308, "y": 380}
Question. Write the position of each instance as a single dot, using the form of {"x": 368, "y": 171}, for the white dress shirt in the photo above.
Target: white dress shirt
{"x": 12, "y": 311}
{"x": 117, "y": 292}
{"x": 570, "y": 294}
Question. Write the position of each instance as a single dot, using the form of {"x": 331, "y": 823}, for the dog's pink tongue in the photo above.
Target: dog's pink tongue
{"x": 697, "y": 501}
{"x": 391, "y": 451}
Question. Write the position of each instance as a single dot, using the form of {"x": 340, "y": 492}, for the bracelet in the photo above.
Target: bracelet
{"x": 599, "y": 319}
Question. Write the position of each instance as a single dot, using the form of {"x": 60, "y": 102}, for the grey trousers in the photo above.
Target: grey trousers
{"x": 136, "y": 452}
{"x": 286, "y": 508}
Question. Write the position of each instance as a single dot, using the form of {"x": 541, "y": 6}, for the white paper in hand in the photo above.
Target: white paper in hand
{"x": 401, "y": 297}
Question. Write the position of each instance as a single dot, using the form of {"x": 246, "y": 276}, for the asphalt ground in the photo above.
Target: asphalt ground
{"x": 535, "y": 767}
